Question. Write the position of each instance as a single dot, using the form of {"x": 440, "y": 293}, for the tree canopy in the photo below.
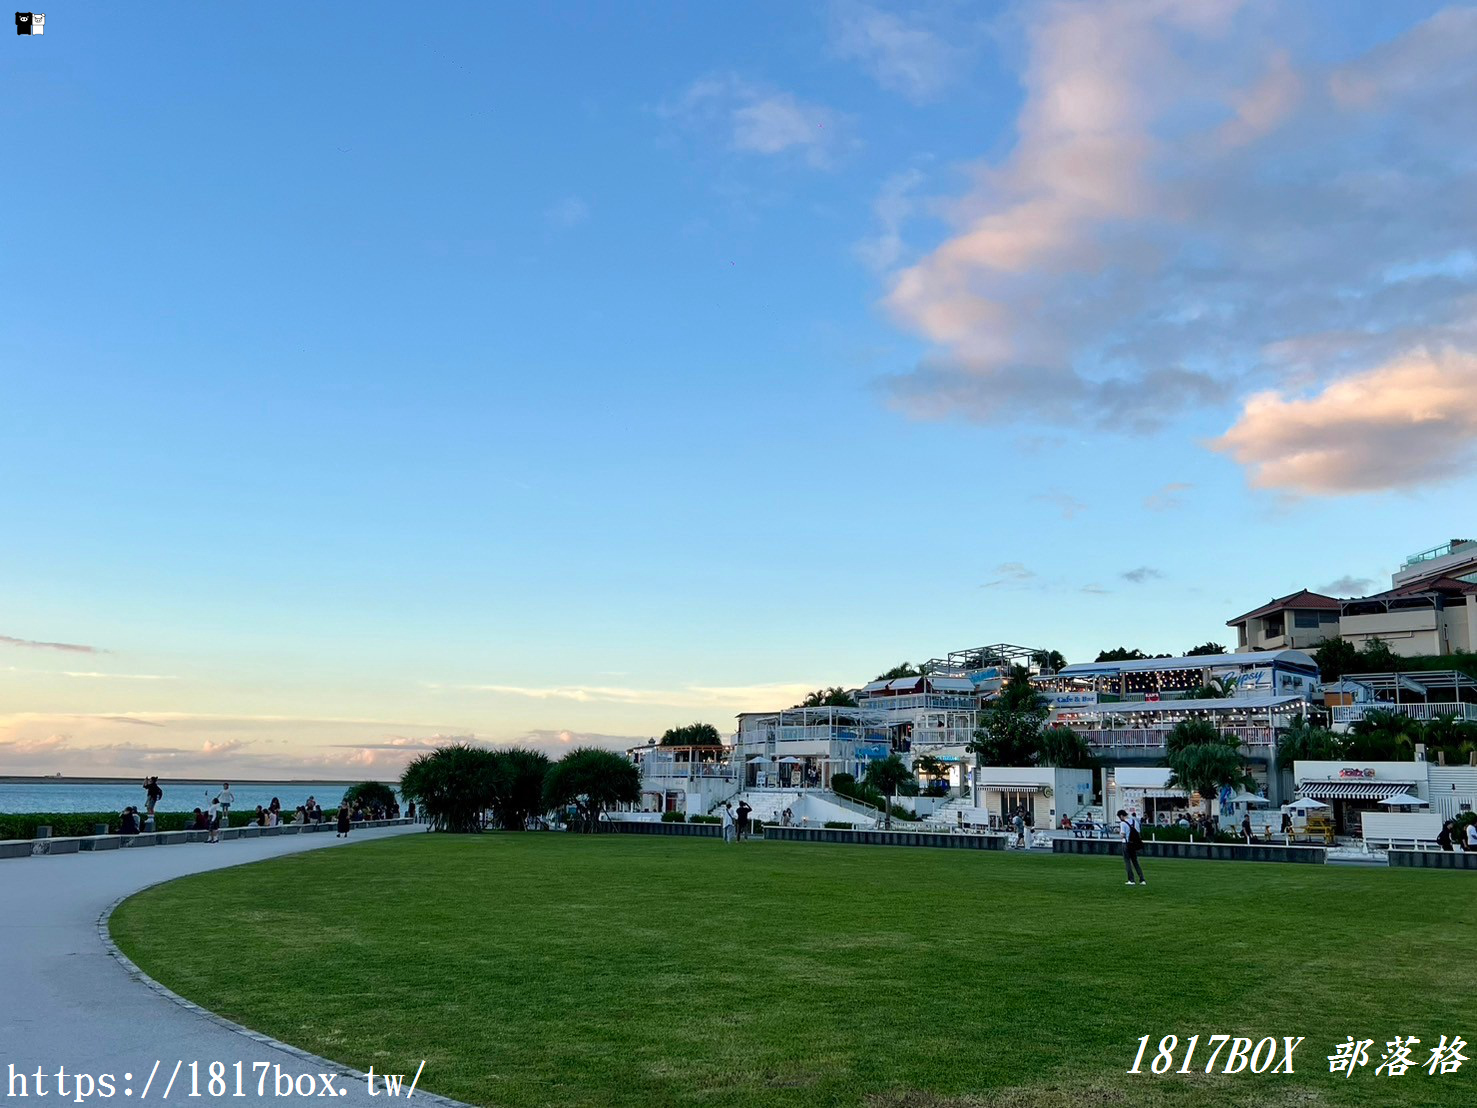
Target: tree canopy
{"x": 887, "y": 775}
{"x": 833, "y": 697}
{"x": 1010, "y": 726}
{"x": 1049, "y": 660}
{"x": 902, "y": 669}
{"x": 693, "y": 734}
{"x": 454, "y": 785}
{"x": 1065, "y": 748}
{"x": 1120, "y": 654}
{"x": 1202, "y": 760}
{"x": 1302, "y": 742}
{"x": 1337, "y": 657}
{"x": 1206, "y": 648}
{"x": 517, "y": 785}
{"x": 591, "y": 780}
{"x": 372, "y": 794}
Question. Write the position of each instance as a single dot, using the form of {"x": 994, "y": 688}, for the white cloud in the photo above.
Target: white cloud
{"x": 1409, "y": 422}
{"x": 901, "y": 55}
{"x": 568, "y": 212}
{"x": 893, "y": 206}
{"x": 689, "y": 696}
{"x": 1190, "y": 213}
{"x": 1348, "y": 586}
{"x": 1069, "y": 506}
{"x": 759, "y": 120}
{"x": 1167, "y": 496}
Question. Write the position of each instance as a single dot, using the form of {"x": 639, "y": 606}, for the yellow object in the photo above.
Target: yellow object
{"x": 1320, "y": 825}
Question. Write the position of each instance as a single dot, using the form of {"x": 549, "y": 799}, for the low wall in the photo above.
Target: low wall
{"x": 1238, "y": 852}
{"x": 25, "y": 848}
{"x": 885, "y": 838}
{"x": 634, "y": 827}
{"x": 1434, "y": 859}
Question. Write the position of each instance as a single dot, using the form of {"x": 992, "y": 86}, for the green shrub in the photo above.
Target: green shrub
{"x": 837, "y": 825}
{"x": 673, "y": 817}
{"x": 704, "y": 819}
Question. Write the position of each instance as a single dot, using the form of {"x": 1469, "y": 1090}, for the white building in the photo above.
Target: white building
{"x": 1047, "y": 792}
{"x": 686, "y": 779}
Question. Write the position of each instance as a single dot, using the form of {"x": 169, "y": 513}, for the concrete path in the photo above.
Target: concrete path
{"x": 69, "y": 1003}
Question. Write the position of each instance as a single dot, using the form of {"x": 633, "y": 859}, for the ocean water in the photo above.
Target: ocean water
{"x": 179, "y": 796}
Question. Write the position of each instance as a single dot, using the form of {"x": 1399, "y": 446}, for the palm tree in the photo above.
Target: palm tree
{"x": 887, "y": 775}
{"x": 1066, "y": 749}
{"x": 1049, "y": 661}
{"x": 1302, "y": 742}
{"x": 926, "y": 765}
{"x": 1202, "y": 760}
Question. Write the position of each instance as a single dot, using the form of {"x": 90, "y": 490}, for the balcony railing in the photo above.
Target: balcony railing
{"x": 1353, "y": 713}
{"x": 1153, "y": 738}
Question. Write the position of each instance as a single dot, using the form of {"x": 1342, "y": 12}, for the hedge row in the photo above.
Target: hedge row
{"x": 66, "y": 824}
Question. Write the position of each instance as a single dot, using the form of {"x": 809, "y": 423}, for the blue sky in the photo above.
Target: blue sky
{"x": 541, "y": 373}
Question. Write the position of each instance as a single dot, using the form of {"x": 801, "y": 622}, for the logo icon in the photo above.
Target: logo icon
{"x": 30, "y": 23}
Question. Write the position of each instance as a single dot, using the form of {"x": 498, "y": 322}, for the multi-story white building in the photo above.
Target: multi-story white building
{"x": 1430, "y": 608}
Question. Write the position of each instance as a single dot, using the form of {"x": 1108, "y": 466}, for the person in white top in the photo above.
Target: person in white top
{"x": 1472, "y": 837}
{"x": 226, "y": 798}
{"x": 1132, "y": 843}
{"x": 729, "y": 831}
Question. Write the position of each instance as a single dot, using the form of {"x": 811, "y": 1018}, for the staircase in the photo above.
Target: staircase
{"x": 947, "y": 816}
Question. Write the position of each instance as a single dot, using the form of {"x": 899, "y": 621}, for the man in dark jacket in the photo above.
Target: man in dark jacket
{"x": 743, "y": 818}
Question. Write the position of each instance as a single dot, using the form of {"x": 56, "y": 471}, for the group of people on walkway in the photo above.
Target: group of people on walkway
{"x": 735, "y": 821}
{"x": 1468, "y": 840}
{"x": 218, "y": 815}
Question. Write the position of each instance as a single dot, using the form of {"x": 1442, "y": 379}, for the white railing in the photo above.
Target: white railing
{"x": 920, "y": 700}
{"x": 1353, "y": 713}
{"x": 1152, "y": 738}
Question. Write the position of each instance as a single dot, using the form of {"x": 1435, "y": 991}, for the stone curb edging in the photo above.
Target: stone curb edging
{"x": 133, "y": 971}
{"x": 1432, "y": 859}
{"x": 1206, "y": 852}
{"x": 885, "y": 838}
{"x": 49, "y": 845}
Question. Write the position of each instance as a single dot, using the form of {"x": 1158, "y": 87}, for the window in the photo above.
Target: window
{"x": 1306, "y": 620}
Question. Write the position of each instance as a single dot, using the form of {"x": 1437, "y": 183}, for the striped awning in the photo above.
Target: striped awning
{"x": 1353, "y": 790}
{"x": 1012, "y": 787}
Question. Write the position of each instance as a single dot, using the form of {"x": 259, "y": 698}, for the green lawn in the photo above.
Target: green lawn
{"x": 546, "y": 969}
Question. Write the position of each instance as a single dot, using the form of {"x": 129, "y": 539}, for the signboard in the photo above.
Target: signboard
{"x": 1359, "y": 773}
{"x": 1071, "y": 699}
{"x": 873, "y": 750}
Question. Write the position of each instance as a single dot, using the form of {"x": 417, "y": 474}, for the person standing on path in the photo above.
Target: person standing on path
{"x": 1472, "y": 837}
{"x": 343, "y": 822}
{"x": 226, "y": 799}
{"x": 743, "y": 818}
{"x": 153, "y": 794}
{"x": 217, "y": 817}
{"x": 1018, "y": 825}
{"x": 730, "y": 833}
{"x": 1133, "y": 842}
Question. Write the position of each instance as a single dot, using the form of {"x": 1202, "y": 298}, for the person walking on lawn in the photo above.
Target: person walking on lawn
{"x": 1133, "y": 842}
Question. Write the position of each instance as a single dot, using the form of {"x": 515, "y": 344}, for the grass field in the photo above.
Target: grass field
{"x": 546, "y": 969}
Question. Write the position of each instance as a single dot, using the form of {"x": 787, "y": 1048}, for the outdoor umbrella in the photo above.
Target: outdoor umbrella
{"x": 1244, "y": 797}
{"x": 1404, "y": 800}
{"x": 1305, "y": 803}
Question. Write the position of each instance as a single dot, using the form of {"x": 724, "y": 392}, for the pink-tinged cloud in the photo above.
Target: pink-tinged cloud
{"x": 33, "y": 644}
{"x": 1401, "y": 425}
{"x": 1193, "y": 212}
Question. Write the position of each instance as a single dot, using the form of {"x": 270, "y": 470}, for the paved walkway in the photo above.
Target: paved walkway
{"x": 67, "y": 1002}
